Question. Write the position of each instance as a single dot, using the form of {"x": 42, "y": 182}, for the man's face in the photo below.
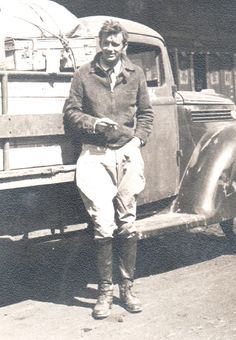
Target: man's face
{"x": 112, "y": 47}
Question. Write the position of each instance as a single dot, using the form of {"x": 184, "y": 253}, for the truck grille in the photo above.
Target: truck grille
{"x": 211, "y": 116}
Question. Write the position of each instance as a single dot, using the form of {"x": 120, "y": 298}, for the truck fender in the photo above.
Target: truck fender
{"x": 209, "y": 182}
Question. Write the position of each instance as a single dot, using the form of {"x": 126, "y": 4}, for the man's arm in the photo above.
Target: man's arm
{"x": 145, "y": 113}
{"x": 73, "y": 110}
{"x": 74, "y": 115}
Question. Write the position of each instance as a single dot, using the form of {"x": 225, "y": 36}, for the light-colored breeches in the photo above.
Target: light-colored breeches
{"x": 109, "y": 182}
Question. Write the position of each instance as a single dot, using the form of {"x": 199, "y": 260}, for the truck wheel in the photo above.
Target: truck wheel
{"x": 228, "y": 229}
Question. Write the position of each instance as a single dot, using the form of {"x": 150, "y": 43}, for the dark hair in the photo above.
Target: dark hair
{"x": 110, "y": 27}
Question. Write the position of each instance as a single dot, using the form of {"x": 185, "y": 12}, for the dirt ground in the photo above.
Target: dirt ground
{"x": 186, "y": 282}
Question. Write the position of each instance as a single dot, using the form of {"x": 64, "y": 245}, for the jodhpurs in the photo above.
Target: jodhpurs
{"x": 109, "y": 182}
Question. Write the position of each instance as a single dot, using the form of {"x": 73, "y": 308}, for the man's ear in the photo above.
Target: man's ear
{"x": 125, "y": 47}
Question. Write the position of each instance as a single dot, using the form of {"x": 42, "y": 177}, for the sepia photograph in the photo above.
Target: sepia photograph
{"x": 117, "y": 169}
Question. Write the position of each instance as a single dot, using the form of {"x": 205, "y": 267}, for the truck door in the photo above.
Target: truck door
{"x": 161, "y": 169}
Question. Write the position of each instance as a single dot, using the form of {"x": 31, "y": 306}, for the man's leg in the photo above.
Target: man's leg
{"x": 131, "y": 183}
{"x": 95, "y": 178}
{"x": 97, "y": 191}
{"x": 127, "y": 261}
{"x": 105, "y": 286}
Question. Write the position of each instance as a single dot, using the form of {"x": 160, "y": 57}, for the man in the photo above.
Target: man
{"x": 109, "y": 108}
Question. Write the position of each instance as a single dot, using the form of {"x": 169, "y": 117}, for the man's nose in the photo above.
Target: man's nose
{"x": 109, "y": 47}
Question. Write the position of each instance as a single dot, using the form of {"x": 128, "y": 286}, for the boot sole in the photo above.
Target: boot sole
{"x": 100, "y": 316}
{"x": 132, "y": 310}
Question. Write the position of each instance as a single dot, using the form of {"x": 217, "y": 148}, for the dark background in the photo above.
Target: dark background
{"x": 200, "y": 36}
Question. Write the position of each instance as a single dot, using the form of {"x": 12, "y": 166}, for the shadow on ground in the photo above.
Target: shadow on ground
{"x": 59, "y": 271}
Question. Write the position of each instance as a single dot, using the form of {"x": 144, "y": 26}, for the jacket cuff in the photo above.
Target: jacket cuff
{"x": 94, "y": 125}
{"x": 142, "y": 137}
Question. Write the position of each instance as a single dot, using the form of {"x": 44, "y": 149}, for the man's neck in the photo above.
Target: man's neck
{"x": 107, "y": 66}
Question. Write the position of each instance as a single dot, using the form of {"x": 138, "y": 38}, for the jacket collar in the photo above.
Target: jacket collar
{"x": 126, "y": 68}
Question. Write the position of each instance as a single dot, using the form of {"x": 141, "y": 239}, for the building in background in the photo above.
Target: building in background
{"x": 200, "y": 36}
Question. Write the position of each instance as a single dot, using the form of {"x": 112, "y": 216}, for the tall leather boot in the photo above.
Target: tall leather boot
{"x": 127, "y": 259}
{"x": 105, "y": 286}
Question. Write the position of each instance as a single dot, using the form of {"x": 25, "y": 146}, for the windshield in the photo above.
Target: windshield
{"x": 150, "y": 59}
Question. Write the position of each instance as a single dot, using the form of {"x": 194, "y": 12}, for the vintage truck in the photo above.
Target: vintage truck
{"x": 190, "y": 158}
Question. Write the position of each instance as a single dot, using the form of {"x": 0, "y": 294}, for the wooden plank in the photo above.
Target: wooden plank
{"x": 2, "y": 51}
{"x": 12, "y": 126}
{"x": 36, "y": 171}
{"x": 32, "y": 95}
{"x": 35, "y": 106}
{"x": 36, "y": 176}
{"x": 40, "y": 151}
{"x": 43, "y": 88}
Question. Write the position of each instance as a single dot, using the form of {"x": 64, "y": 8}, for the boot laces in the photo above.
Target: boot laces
{"x": 102, "y": 297}
{"x": 105, "y": 296}
{"x": 129, "y": 291}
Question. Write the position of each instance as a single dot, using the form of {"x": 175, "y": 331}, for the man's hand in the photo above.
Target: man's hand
{"x": 136, "y": 141}
{"x": 104, "y": 124}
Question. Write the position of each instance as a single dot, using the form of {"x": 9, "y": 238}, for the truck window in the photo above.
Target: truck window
{"x": 150, "y": 59}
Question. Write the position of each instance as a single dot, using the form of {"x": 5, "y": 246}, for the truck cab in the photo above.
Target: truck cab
{"x": 189, "y": 158}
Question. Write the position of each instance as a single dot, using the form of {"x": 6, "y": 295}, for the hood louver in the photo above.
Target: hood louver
{"x": 211, "y": 115}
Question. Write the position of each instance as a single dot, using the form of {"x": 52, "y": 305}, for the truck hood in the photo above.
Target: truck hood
{"x": 205, "y": 97}
{"x": 206, "y": 106}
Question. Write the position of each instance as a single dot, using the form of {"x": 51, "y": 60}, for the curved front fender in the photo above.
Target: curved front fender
{"x": 207, "y": 186}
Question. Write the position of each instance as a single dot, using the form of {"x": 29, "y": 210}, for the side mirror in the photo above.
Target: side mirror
{"x": 174, "y": 89}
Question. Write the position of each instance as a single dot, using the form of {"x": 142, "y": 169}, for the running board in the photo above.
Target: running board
{"x": 169, "y": 222}
{"x": 148, "y": 226}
